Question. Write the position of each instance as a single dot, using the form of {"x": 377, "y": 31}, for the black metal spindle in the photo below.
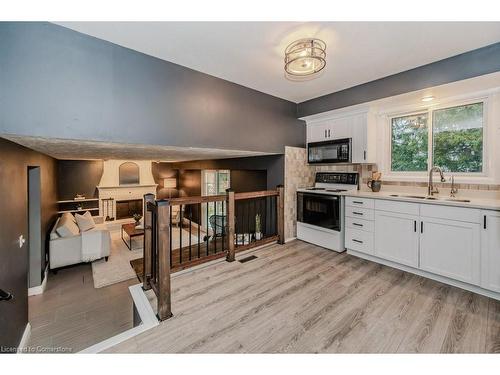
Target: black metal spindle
{"x": 180, "y": 234}
{"x": 198, "y": 211}
{"x": 215, "y": 221}
{"x": 223, "y": 225}
{"x": 208, "y": 229}
{"x": 170, "y": 230}
{"x": 190, "y": 219}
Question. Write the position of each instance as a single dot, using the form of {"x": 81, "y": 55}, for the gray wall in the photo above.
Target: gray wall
{"x": 36, "y": 250}
{"x": 59, "y": 83}
{"x": 467, "y": 65}
{"x": 14, "y": 163}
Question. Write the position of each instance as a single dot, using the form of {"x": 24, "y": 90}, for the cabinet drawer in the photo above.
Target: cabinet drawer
{"x": 360, "y": 224}
{"x": 359, "y": 213}
{"x": 359, "y": 240}
{"x": 469, "y": 215}
{"x": 396, "y": 206}
{"x": 359, "y": 202}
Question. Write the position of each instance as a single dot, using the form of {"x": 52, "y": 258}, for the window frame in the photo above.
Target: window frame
{"x": 429, "y": 110}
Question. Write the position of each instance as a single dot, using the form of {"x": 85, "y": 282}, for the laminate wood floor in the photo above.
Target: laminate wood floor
{"x": 72, "y": 314}
{"x": 299, "y": 298}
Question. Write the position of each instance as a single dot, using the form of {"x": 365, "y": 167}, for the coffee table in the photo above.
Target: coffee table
{"x": 132, "y": 232}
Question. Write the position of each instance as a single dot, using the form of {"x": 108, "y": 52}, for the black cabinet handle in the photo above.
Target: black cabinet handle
{"x": 415, "y": 226}
{"x": 484, "y": 222}
{"x": 357, "y": 213}
{"x": 358, "y": 225}
{"x": 364, "y": 155}
{"x": 5, "y": 296}
{"x": 328, "y": 133}
{"x": 325, "y": 134}
{"x": 358, "y": 241}
{"x": 357, "y": 202}
{"x": 421, "y": 227}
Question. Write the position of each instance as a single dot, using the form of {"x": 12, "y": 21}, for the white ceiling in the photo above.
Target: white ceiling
{"x": 93, "y": 150}
{"x": 251, "y": 53}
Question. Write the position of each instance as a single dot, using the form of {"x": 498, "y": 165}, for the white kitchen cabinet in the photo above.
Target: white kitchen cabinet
{"x": 450, "y": 248}
{"x": 396, "y": 237}
{"x": 490, "y": 251}
{"x": 317, "y": 132}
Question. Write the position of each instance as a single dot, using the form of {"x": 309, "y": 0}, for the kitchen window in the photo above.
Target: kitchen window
{"x": 451, "y": 138}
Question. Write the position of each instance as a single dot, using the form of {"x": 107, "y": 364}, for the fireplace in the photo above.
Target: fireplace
{"x": 127, "y": 208}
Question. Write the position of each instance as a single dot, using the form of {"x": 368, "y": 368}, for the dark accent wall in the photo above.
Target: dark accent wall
{"x": 78, "y": 177}
{"x": 243, "y": 181}
{"x": 466, "y": 65}
{"x": 14, "y": 163}
{"x": 273, "y": 164}
{"x": 79, "y": 87}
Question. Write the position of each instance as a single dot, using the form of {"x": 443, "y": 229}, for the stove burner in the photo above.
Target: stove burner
{"x": 336, "y": 190}
{"x": 315, "y": 188}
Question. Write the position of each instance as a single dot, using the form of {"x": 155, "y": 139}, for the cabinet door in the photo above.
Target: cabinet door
{"x": 396, "y": 237}
{"x": 359, "y": 138}
{"x": 490, "y": 251}
{"x": 450, "y": 248}
{"x": 317, "y": 132}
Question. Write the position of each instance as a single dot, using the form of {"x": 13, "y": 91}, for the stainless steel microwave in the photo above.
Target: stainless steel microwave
{"x": 332, "y": 151}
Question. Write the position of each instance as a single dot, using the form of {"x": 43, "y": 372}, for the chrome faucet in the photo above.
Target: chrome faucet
{"x": 431, "y": 189}
{"x": 454, "y": 189}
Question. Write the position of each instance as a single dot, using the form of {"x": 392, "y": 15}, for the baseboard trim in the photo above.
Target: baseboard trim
{"x": 36, "y": 290}
{"x": 148, "y": 321}
{"x": 23, "y": 344}
{"x": 442, "y": 279}
{"x": 290, "y": 239}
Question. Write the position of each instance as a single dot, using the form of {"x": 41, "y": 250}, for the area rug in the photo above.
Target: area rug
{"x": 118, "y": 267}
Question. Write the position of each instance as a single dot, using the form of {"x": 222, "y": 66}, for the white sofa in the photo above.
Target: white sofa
{"x": 67, "y": 250}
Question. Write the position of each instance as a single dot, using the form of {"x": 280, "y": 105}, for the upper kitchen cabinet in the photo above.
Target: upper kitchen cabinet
{"x": 360, "y": 126}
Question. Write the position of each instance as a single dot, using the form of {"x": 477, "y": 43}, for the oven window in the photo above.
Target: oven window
{"x": 319, "y": 210}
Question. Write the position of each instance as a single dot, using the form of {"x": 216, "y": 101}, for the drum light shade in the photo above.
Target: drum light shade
{"x": 305, "y": 57}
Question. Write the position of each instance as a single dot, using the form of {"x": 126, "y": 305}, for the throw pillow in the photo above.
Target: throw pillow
{"x": 66, "y": 227}
{"x": 85, "y": 221}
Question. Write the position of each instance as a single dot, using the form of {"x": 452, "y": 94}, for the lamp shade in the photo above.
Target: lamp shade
{"x": 170, "y": 183}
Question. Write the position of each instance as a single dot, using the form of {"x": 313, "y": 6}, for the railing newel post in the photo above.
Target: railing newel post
{"x": 163, "y": 230}
{"x": 147, "y": 246}
{"x": 281, "y": 214}
{"x": 230, "y": 225}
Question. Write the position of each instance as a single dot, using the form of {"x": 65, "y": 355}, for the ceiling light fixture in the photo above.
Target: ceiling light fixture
{"x": 427, "y": 98}
{"x": 305, "y": 57}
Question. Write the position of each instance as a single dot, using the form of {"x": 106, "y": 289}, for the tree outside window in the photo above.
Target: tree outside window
{"x": 457, "y": 140}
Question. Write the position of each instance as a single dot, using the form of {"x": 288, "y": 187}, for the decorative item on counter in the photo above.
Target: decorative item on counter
{"x": 137, "y": 218}
{"x": 258, "y": 232}
{"x": 375, "y": 183}
{"x": 79, "y": 207}
{"x": 79, "y": 197}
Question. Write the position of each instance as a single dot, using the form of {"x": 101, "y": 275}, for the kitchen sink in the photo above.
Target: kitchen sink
{"x": 430, "y": 198}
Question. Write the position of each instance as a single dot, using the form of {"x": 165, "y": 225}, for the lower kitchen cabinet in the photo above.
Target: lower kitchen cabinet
{"x": 396, "y": 237}
{"x": 455, "y": 245}
{"x": 490, "y": 251}
{"x": 451, "y": 248}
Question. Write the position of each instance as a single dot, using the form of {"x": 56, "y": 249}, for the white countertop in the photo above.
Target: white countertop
{"x": 482, "y": 203}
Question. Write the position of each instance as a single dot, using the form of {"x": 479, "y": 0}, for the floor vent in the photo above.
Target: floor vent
{"x": 247, "y": 259}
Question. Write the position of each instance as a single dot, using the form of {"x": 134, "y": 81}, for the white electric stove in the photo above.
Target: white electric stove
{"x": 320, "y": 209}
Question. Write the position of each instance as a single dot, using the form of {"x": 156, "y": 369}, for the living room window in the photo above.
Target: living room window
{"x": 449, "y": 137}
{"x": 214, "y": 182}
